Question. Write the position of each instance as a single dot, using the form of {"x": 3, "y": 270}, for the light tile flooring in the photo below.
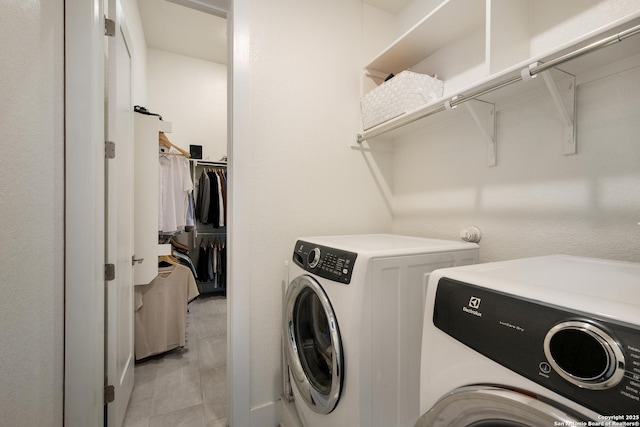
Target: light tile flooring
{"x": 186, "y": 387}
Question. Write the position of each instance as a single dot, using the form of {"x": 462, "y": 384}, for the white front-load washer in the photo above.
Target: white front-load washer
{"x": 544, "y": 341}
{"x": 352, "y": 324}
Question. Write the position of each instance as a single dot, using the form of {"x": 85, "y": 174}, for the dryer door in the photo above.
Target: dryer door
{"x": 312, "y": 344}
{"x": 491, "y": 406}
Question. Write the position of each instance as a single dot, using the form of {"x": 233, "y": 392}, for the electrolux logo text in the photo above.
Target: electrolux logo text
{"x": 474, "y": 305}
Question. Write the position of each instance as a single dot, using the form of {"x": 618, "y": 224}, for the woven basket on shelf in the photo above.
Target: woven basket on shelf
{"x": 404, "y": 92}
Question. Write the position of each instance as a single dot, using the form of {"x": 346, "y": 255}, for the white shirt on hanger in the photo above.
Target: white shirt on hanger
{"x": 175, "y": 186}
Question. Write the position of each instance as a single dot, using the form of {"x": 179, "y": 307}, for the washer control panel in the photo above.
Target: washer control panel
{"x": 328, "y": 263}
{"x": 591, "y": 360}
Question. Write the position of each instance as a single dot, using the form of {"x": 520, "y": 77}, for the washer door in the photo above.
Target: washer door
{"x": 312, "y": 344}
{"x": 484, "y": 406}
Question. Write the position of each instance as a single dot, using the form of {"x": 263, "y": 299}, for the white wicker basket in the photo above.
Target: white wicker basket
{"x": 404, "y": 92}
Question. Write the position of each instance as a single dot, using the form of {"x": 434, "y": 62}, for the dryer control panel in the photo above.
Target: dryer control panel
{"x": 589, "y": 359}
{"x": 328, "y": 263}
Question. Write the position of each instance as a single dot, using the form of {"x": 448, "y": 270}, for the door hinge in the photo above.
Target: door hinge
{"x": 109, "y": 394}
{"x": 109, "y": 27}
{"x": 109, "y": 150}
{"x": 109, "y": 272}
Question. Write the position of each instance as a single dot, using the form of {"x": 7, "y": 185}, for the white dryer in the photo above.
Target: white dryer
{"x": 353, "y": 322}
{"x": 545, "y": 341}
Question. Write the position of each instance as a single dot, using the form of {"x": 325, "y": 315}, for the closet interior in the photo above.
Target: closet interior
{"x": 200, "y": 243}
{"x": 180, "y": 314}
{"x": 181, "y": 192}
{"x": 191, "y": 209}
{"x": 180, "y": 140}
{"x": 209, "y": 234}
{"x": 193, "y": 215}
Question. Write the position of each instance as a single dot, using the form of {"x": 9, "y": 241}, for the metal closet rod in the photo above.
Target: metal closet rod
{"x": 534, "y": 70}
{"x": 209, "y": 162}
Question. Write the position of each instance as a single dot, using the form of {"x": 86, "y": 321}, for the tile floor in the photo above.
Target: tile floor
{"x": 186, "y": 387}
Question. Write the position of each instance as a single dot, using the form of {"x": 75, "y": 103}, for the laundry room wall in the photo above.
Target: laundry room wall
{"x": 536, "y": 201}
{"x": 411, "y": 14}
{"x": 191, "y": 93}
{"x": 378, "y": 30}
{"x": 32, "y": 212}
{"x": 381, "y": 28}
{"x": 299, "y": 174}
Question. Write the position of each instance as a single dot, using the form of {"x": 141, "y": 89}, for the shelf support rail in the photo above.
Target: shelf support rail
{"x": 562, "y": 87}
{"x": 484, "y": 114}
{"x": 531, "y": 71}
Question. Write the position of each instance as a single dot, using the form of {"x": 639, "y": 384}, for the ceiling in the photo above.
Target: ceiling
{"x": 214, "y": 7}
{"x": 184, "y": 30}
{"x": 172, "y": 27}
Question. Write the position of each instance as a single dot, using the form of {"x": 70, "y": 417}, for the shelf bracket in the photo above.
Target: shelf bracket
{"x": 484, "y": 114}
{"x": 562, "y": 87}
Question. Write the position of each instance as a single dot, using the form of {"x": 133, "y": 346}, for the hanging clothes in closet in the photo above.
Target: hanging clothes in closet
{"x": 180, "y": 253}
{"x": 210, "y": 210}
{"x": 176, "y": 206}
{"x": 160, "y": 307}
{"x": 161, "y": 311}
{"x": 211, "y": 200}
{"x": 212, "y": 261}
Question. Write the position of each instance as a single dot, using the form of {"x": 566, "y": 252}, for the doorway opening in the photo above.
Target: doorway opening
{"x": 187, "y": 84}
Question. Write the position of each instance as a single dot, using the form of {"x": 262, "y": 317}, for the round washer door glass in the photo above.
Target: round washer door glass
{"x": 492, "y": 406}
{"x": 313, "y": 348}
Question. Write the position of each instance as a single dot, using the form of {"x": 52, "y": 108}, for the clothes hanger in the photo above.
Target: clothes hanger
{"x": 169, "y": 259}
{"x": 164, "y": 141}
{"x": 179, "y": 245}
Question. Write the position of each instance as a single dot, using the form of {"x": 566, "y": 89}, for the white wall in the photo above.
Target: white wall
{"x": 299, "y": 175}
{"x": 191, "y": 93}
{"x": 536, "y": 201}
{"x": 31, "y": 208}
{"x": 382, "y": 28}
{"x": 411, "y": 14}
{"x": 378, "y": 32}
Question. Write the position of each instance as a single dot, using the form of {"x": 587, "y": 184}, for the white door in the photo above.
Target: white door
{"x": 119, "y": 352}
{"x": 146, "y": 188}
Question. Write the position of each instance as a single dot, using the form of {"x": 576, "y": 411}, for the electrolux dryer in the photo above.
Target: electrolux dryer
{"x": 353, "y": 322}
{"x": 546, "y": 341}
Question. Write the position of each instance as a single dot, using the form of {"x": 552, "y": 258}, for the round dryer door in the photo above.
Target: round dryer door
{"x": 312, "y": 345}
{"x": 491, "y": 406}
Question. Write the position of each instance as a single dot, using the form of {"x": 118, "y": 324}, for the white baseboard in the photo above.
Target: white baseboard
{"x": 267, "y": 415}
{"x": 289, "y": 414}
